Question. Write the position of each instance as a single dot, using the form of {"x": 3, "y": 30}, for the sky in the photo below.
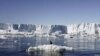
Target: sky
{"x": 49, "y": 11}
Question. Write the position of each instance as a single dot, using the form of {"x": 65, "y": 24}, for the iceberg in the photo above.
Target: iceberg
{"x": 48, "y": 50}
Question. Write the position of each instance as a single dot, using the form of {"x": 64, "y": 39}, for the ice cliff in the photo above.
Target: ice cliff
{"x": 88, "y": 28}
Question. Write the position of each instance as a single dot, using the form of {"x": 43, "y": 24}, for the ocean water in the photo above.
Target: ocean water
{"x": 23, "y": 43}
{"x": 26, "y": 54}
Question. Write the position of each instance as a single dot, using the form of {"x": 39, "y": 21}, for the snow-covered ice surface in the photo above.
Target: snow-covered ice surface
{"x": 48, "y": 50}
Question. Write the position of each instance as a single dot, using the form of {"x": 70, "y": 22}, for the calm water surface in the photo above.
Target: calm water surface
{"x": 25, "y": 54}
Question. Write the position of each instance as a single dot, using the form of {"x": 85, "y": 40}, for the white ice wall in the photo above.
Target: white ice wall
{"x": 88, "y": 28}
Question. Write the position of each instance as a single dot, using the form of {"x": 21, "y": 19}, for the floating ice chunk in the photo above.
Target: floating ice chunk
{"x": 3, "y": 37}
{"x": 48, "y": 50}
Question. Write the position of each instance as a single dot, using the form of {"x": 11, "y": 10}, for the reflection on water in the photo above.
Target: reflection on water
{"x": 22, "y": 43}
{"x": 66, "y": 54}
{"x": 45, "y": 53}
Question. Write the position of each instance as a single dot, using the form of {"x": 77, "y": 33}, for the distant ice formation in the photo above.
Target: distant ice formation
{"x": 48, "y": 30}
{"x": 89, "y": 28}
{"x": 48, "y": 50}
